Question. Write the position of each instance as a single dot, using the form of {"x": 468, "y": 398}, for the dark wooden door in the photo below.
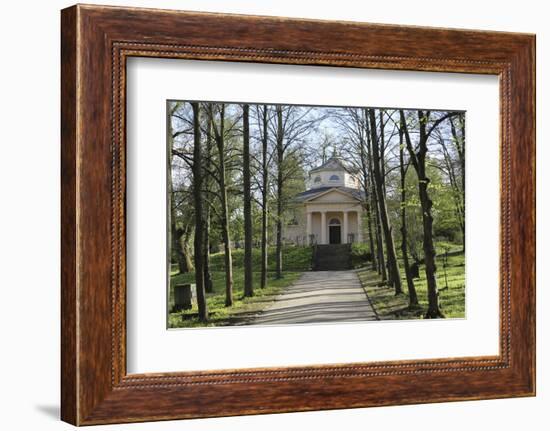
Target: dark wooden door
{"x": 334, "y": 235}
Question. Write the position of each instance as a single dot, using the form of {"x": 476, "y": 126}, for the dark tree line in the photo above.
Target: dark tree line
{"x": 231, "y": 161}
{"x": 233, "y": 166}
{"x": 380, "y": 142}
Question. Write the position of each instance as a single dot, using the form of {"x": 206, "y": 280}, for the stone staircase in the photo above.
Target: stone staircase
{"x": 332, "y": 257}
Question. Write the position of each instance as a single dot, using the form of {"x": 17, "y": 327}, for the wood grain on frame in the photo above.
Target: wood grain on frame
{"x": 96, "y": 41}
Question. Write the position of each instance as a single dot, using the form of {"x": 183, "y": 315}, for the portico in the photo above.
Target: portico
{"x": 330, "y": 211}
{"x": 330, "y": 226}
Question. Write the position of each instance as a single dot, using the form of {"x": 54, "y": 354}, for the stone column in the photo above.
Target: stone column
{"x": 323, "y": 227}
{"x": 359, "y": 228}
{"x": 308, "y": 228}
{"x": 345, "y": 228}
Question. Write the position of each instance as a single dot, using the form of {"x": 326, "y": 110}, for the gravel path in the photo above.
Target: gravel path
{"x": 319, "y": 297}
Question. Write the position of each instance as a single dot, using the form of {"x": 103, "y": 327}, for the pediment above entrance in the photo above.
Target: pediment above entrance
{"x": 332, "y": 196}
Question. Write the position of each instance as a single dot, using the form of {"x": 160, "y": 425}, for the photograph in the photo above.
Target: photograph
{"x": 295, "y": 214}
{"x": 306, "y": 214}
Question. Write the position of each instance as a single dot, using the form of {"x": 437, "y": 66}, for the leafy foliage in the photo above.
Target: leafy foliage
{"x": 298, "y": 259}
{"x": 293, "y": 139}
{"x": 452, "y": 293}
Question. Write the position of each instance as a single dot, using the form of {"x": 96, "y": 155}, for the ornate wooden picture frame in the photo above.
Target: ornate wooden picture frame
{"x": 96, "y": 41}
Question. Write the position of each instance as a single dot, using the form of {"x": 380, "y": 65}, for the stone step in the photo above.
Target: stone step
{"x": 332, "y": 257}
{"x": 332, "y": 268}
{"x": 333, "y": 253}
{"x": 323, "y": 247}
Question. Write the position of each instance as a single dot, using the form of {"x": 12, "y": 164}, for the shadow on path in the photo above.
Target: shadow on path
{"x": 317, "y": 297}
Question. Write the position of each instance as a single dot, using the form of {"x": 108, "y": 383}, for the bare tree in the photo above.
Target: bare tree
{"x": 381, "y": 260}
{"x": 353, "y": 123}
{"x": 459, "y": 184}
{"x": 280, "y": 184}
{"x": 418, "y": 159}
{"x": 292, "y": 126}
{"x": 264, "y": 191}
{"x": 393, "y": 267}
{"x": 403, "y": 168}
{"x": 177, "y": 237}
{"x": 220, "y": 139}
{"x": 208, "y": 283}
{"x": 368, "y": 201}
{"x": 199, "y": 221}
{"x": 247, "y": 205}
{"x": 182, "y": 228}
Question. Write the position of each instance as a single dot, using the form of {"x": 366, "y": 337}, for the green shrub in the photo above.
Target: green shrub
{"x": 360, "y": 255}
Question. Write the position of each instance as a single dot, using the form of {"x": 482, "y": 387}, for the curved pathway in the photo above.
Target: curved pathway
{"x": 319, "y": 297}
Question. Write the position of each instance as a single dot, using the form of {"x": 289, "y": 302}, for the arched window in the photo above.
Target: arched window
{"x": 334, "y": 221}
{"x": 317, "y": 179}
{"x": 334, "y": 178}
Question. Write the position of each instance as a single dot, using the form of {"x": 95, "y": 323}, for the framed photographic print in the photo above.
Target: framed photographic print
{"x": 267, "y": 215}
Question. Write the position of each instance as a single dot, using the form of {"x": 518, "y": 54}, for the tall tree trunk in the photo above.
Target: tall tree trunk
{"x": 364, "y": 163}
{"x": 173, "y": 234}
{"x": 247, "y": 206}
{"x": 458, "y": 191}
{"x": 382, "y": 165}
{"x": 459, "y": 144}
{"x": 382, "y": 270}
{"x": 208, "y": 284}
{"x": 263, "y": 281}
{"x": 371, "y": 239}
{"x": 224, "y": 222}
{"x": 228, "y": 260}
{"x": 413, "y": 298}
{"x": 280, "y": 155}
{"x": 382, "y": 151}
{"x": 183, "y": 267}
{"x": 198, "y": 200}
{"x": 171, "y": 214}
{"x": 419, "y": 162}
{"x": 185, "y": 241}
{"x": 434, "y": 310}
{"x": 382, "y": 267}
{"x": 184, "y": 262}
{"x": 393, "y": 267}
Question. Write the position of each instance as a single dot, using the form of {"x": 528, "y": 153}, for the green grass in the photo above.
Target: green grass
{"x": 451, "y": 298}
{"x": 360, "y": 255}
{"x": 295, "y": 261}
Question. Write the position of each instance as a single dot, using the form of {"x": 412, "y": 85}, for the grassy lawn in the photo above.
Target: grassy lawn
{"x": 295, "y": 261}
{"x": 389, "y": 306}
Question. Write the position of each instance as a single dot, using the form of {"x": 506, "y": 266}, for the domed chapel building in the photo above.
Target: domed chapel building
{"x": 330, "y": 211}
